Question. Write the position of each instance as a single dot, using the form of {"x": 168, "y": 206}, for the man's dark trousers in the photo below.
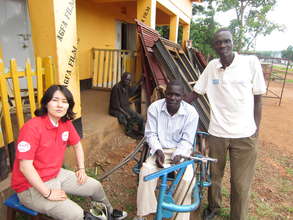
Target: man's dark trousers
{"x": 242, "y": 154}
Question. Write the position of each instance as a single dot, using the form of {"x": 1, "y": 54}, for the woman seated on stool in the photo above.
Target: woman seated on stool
{"x": 38, "y": 179}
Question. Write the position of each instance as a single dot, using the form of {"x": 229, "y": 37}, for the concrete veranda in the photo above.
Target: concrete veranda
{"x": 99, "y": 128}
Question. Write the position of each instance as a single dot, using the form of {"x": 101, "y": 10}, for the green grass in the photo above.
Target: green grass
{"x": 21, "y": 216}
{"x": 115, "y": 202}
{"x": 130, "y": 191}
{"x": 225, "y": 192}
{"x": 288, "y": 209}
{"x": 285, "y": 161}
{"x": 279, "y": 76}
{"x": 289, "y": 171}
{"x": 282, "y": 68}
{"x": 286, "y": 186}
{"x": 92, "y": 172}
{"x": 225, "y": 212}
{"x": 276, "y": 71}
{"x": 264, "y": 209}
{"x": 130, "y": 208}
{"x": 253, "y": 195}
{"x": 253, "y": 217}
{"x": 77, "y": 199}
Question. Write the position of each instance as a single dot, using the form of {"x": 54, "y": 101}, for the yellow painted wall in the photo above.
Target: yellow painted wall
{"x": 43, "y": 28}
{"x": 96, "y": 28}
{"x": 182, "y": 8}
{"x": 146, "y": 12}
{"x": 46, "y": 18}
{"x": 162, "y": 18}
{"x": 174, "y": 26}
{"x": 185, "y": 34}
{"x": 96, "y": 25}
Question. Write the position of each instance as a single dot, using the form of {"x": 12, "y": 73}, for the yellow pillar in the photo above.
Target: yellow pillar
{"x": 43, "y": 30}
{"x": 185, "y": 34}
{"x": 146, "y": 12}
{"x": 55, "y": 35}
{"x": 174, "y": 25}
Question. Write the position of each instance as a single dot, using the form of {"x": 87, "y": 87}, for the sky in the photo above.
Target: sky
{"x": 281, "y": 14}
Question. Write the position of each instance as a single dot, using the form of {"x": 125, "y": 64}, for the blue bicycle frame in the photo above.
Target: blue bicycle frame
{"x": 166, "y": 205}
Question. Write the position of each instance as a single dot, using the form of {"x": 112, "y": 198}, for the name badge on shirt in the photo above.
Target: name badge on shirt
{"x": 216, "y": 81}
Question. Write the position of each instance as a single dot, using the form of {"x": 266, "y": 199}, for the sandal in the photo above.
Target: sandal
{"x": 99, "y": 210}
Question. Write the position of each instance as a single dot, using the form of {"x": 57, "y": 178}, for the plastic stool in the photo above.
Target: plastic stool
{"x": 13, "y": 206}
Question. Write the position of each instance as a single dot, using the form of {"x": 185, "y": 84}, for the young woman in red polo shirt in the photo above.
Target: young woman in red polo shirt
{"x": 38, "y": 177}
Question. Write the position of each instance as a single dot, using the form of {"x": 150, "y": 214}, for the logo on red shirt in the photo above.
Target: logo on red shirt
{"x": 65, "y": 135}
{"x": 23, "y": 146}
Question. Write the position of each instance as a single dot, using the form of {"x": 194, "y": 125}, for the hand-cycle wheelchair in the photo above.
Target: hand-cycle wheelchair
{"x": 166, "y": 204}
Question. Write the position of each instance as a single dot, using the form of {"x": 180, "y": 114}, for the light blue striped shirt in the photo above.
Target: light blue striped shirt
{"x": 165, "y": 131}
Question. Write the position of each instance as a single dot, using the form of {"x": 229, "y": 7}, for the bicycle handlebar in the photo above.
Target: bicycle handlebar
{"x": 201, "y": 158}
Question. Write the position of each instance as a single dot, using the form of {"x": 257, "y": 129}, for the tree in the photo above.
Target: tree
{"x": 203, "y": 27}
{"x": 163, "y": 31}
{"x": 268, "y": 53}
{"x": 288, "y": 53}
{"x": 251, "y": 20}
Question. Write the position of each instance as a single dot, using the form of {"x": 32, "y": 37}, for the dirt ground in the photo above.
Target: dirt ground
{"x": 272, "y": 190}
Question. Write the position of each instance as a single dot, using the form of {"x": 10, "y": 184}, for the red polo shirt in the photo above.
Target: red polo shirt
{"x": 45, "y": 144}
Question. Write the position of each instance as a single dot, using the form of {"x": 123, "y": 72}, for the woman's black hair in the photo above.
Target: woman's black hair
{"x": 49, "y": 95}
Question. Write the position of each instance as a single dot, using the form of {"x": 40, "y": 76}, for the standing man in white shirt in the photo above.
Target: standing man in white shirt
{"x": 170, "y": 132}
{"x": 234, "y": 84}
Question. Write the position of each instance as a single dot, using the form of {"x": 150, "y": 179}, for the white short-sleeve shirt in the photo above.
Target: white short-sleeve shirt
{"x": 231, "y": 95}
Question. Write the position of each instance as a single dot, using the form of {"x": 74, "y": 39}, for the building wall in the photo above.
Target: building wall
{"x": 185, "y": 6}
{"x": 162, "y": 18}
{"x": 182, "y": 8}
{"x": 96, "y": 28}
{"x": 53, "y": 25}
{"x": 43, "y": 31}
{"x": 96, "y": 25}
